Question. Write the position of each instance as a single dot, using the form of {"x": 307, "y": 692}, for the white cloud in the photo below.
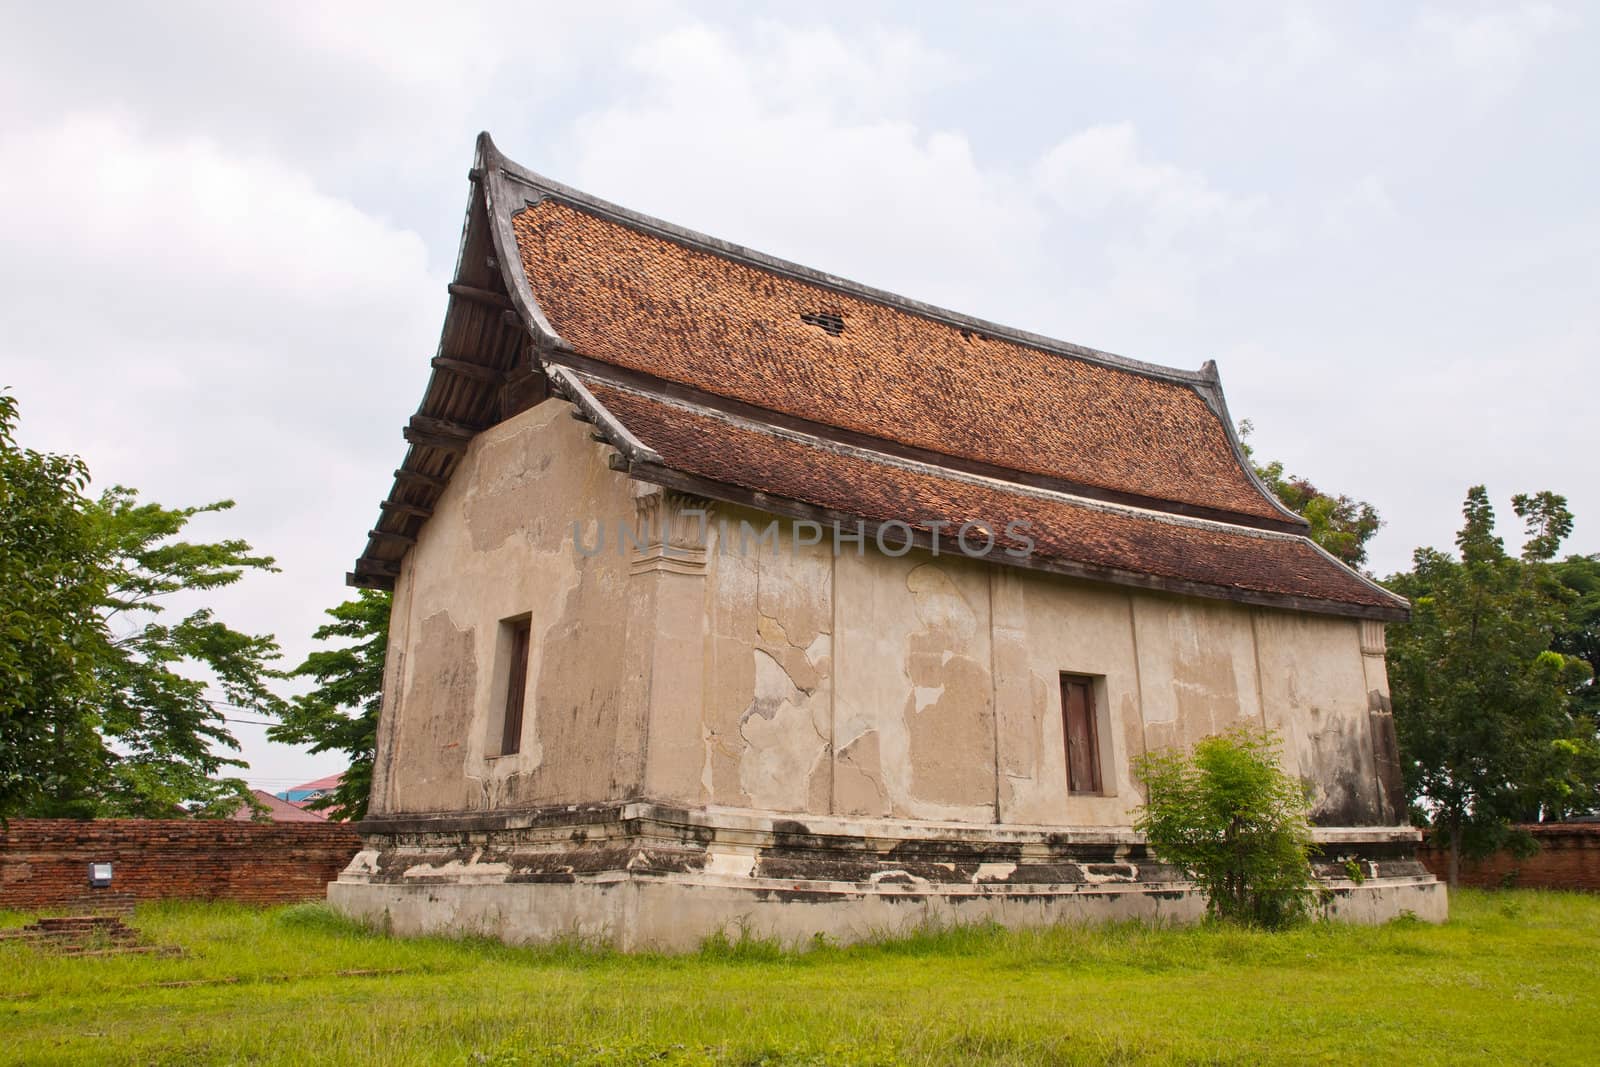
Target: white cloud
{"x": 203, "y": 325}
{"x": 1492, "y": 43}
{"x": 1278, "y": 47}
{"x": 1153, "y": 232}
{"x": 1103, "y": 169}
{"x": 746, "y": 141}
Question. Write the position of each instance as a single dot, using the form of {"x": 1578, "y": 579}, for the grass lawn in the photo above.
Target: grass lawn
{"x": 1513, "y": 978}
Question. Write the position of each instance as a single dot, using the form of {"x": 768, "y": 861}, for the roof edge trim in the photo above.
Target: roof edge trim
{"x": 611, "y": 427}
{"x": 488, "y": 171}
{"x": 1211, "y": 392}
{"x": 1400, "y": 602}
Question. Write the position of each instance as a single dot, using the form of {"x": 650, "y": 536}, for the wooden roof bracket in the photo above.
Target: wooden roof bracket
{"x": 612, "y": 431}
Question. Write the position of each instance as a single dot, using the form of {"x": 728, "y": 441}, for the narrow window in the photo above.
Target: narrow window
{"x": 516, "y": 686}
{"x": 1082, "y": 736}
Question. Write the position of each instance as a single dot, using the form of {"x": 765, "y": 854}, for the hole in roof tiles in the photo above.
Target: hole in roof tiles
{"x": 830, "y": 321}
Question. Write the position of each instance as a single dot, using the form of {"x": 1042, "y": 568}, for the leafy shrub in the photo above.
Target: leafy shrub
{"x": 1230, "y": 817}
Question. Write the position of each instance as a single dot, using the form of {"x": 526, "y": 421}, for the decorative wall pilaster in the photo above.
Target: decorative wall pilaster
{"x": 670, "y": 531}
{"x": 1380, "y": 719}
{"x": 1373, "y": 641}
{"x": 667, "y": 568}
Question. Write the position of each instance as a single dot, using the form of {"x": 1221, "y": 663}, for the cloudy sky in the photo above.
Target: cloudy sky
{"x": 227, "y": 228}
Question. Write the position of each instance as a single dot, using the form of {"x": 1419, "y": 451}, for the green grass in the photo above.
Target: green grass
{"x": 1513, "y": 978}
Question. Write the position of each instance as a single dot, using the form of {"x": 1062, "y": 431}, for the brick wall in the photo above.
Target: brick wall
{"x": 44, "y": 863}
{"x": 1568, "y": 858}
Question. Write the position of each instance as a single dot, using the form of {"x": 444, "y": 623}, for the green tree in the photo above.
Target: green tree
{"x": 50, "y": 586}
{"x": 109, "y": 708}
{"x": 1340, "y": 524}
{"x": 341, "y": 713}
{"x": 1229, "y": 816}
{"x": 1483, "y": 704}
{"x": 163, "y": 731}
{"x": 1578, "y": 635}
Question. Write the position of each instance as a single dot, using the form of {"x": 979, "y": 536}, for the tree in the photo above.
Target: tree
{"x": 1482, "y": 701}
{"x": 109, "y": 704}
{"x": 1229, "y": 816}
{"x": 1340, "y": 524}
{"x": 161, "y": 727}
{"x": 50, "y": 585}
{"x": 341, "y": 714}
{"x": 1578, "y": 635}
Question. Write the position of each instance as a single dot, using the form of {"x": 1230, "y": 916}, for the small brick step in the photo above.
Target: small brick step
{"x": 77, "y": 934}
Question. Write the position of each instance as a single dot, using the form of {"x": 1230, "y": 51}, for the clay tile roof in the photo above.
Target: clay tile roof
{"x": 730, "y": 326}
{"x": 725, "y": 372}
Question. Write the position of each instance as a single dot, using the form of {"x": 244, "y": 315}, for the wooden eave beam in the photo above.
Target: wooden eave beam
{"x": 395, "y": 507}
{"x": 428, "y": 440}
{"x": 478, "y": 372}
{"x": 391, "y": 535}
{"x": 438, "y": 433}
{"x": 480, "y": 296}
{"x": 372, "y": 573}
{"x": 443, "y": 427}
{"x": 412, "y": 477}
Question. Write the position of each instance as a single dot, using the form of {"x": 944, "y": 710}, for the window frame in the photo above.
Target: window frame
{"x": 1091, "y": 716}
{"x": 516, "y": 646}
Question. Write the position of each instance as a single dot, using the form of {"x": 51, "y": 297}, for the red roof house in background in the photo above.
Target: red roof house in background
{"x": 278, "y": 810}
{"x": 305, "y": 793}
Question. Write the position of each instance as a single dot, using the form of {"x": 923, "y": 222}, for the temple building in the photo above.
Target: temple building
{"x": 730, "y": 592}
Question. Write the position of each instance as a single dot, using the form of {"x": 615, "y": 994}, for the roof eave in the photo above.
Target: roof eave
{"x": 657, "y": 473}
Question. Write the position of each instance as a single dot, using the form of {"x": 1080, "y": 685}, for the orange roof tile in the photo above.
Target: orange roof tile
{"x": 640, "y": 301}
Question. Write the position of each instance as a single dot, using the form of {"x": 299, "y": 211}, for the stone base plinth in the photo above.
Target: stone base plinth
{"x": 644, "y": 876}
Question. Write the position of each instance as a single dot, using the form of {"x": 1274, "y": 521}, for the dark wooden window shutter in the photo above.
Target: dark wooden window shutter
{"x": 1082, "y": 734}
{"x": 516, "y": 687}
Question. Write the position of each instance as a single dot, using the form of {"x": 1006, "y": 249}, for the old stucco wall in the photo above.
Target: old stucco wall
{"x": 767, "y": 723}
{"x": 499, "y": 545}
{"x": 929, "y": 688}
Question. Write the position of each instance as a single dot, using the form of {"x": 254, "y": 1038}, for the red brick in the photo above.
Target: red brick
{"x": 1568, "y": 858}
{"x": 44, "y": 863}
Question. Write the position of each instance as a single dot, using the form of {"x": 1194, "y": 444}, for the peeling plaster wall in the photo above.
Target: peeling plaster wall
{"x": 914, "y": 711}
{"x": 938, "y": 690}
{"x": 768, "y": 713}
{"x": 499, "y": 545}
{"x": 1315, "y": 690}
